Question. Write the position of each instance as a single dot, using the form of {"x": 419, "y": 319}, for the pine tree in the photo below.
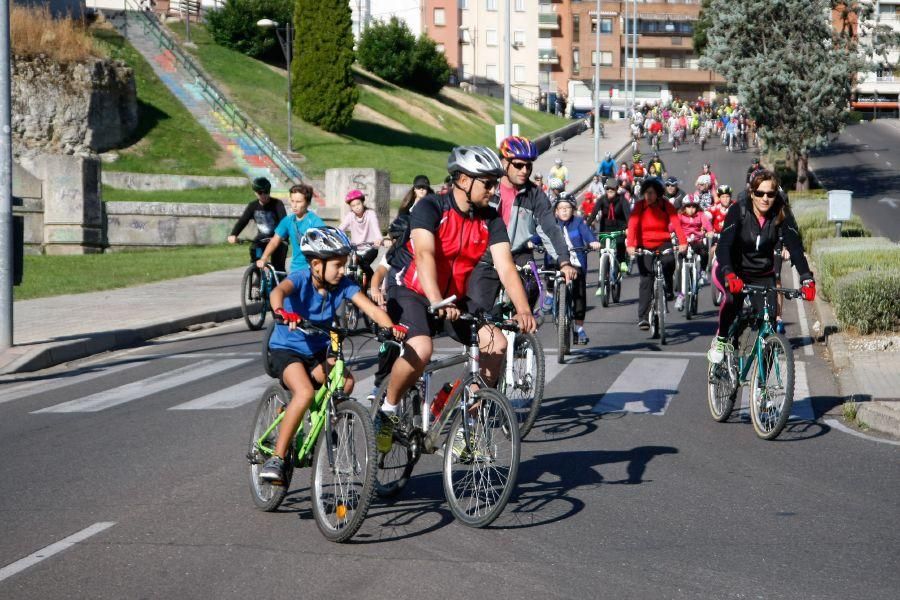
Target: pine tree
{"x": 324, "y": 91}
{"x": 789, "y": 69}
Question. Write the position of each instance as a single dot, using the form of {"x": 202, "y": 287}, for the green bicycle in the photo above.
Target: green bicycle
{"x": 343, "y": 458}
{"x": 609, "y": 283}
{"x": 772, "y": 382}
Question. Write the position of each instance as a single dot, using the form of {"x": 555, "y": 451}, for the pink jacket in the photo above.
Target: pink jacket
{"x": 695, "y": 226}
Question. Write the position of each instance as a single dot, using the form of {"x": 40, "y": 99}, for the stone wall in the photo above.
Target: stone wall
{"x": 143, "y": 182}
{"x": 78, "y": 108}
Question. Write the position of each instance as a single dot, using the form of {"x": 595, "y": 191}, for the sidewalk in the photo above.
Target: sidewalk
{"x": 51, "y": 331}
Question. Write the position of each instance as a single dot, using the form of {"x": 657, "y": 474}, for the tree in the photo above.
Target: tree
{"x": 790, "y": 71}
{"x": 323, "y": 88}
{"x": 391, "y": 51}
{"x": 234, "y": 26}
{"x": 701, "y": 25}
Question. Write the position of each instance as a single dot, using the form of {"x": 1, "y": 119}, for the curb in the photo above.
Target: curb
{"x": 880, "y": 416}
{"x": 42, "y": 356}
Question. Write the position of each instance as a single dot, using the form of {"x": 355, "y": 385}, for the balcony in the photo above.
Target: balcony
{"x": 548, "y": 21}
{"x": 548, "y": 56}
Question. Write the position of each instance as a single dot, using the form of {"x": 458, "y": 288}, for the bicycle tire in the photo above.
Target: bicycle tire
{"x": 768, "y": 425}
{"x": 720, "y": 390}
{"x": 562, "y": 324}
{"x": 477, "y": 489}
{"x": 617, "y": 289}
{"x": 252, "y": 310}
{"x": 349, "y": 316}
{"x": 661, "y": 314}
{"x": 604, "y": 280}
{"x": 394, "y": 468}
{"x": 689, "y": 294}
{"x": 524, "y": 406}
{"x": 354, "y": 458}
{"x": 266, "y": 496}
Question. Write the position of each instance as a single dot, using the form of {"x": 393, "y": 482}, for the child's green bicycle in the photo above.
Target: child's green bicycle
{"x": 336, "y": 438}
{"x": 772, "y": 383}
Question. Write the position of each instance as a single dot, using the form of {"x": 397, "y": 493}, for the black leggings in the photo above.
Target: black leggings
{"x": 365, "y": 263}
{"x": 732, "y": 303}
{"x": 648, "y": 275}
{"x": 579, "y": 296}
{"x": 278, "y": 257}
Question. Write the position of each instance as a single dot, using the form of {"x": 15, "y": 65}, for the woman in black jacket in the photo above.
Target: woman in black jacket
{"x": 746, "y": 251}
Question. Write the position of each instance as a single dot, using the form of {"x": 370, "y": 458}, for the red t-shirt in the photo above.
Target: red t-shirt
{"x": 507, "y": 199}
{"x": 650, "y": 227}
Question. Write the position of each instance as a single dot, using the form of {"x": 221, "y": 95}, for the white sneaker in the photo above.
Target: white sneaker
{"x": 679, "y": 303}
{"x": 716, "y": 353}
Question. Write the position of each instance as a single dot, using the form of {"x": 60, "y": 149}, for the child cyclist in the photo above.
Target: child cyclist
{"x": 697, "y": 228}
{"x": 299, "y": 357}
{"x": 578, "y": 237}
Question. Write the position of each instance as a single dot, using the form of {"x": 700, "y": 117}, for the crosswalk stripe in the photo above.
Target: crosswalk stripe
{"x": 60, "y": 379}
{"x": 145, "y": 387}
{"x": 230, "y": 397}
{"x": 638, "y": 388}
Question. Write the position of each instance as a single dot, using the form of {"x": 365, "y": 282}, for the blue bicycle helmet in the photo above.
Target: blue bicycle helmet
{"x": 519, "y": 148}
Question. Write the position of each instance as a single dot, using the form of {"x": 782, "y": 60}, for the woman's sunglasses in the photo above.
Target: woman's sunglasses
{"x": 760, "y": 194}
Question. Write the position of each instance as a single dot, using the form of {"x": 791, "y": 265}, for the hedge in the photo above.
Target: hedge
{"x": 835, "y": 265}
{"x": 867, "y": 301}
{"x": 814, "y": 225}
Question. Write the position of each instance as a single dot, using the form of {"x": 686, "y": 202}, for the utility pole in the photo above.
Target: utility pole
{"x": 624, "y": 60}
{"x": 634, "y": 49}
{"x": 6, "y": 220}
{"x": 597, "y": 93}
{"x": 507, "y": 75}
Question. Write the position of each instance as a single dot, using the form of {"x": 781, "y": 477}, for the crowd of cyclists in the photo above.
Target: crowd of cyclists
{"x": 468, "y": 239}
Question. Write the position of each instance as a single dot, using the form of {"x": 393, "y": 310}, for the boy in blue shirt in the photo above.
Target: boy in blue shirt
{"x": 300, "y": 358}
{"x": 293, "y": 227}
{"x": 578, "y": 237}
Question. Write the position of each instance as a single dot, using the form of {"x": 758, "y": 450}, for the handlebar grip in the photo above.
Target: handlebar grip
{"x": 439, "y": 305}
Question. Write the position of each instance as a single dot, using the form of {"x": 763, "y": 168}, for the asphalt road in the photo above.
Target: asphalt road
{"x": 627, "y": 488}
{"x": 866, "y": 159}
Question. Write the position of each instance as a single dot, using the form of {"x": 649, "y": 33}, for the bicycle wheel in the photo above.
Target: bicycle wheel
{"x": 349, "y": 316}
{"x": 772, "y": 393}
{"x": 342, "y": 492}
{"x": 604, "y": 280}
{"x": 394, "y": 467}
{"x": 251, "y": 300}
{"x": 266, "y": 496}
{"x": 479, "y": 480}
{"x": 721, "y": 388}
{"x": 617, "y": 284}
{"x": 661, "y": 313}
{"x": 562, "y": 322}
{"x": 526, "y": 390}
{"x": 689, "y": 293}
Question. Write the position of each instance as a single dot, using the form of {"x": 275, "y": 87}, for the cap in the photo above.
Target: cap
{"x": 421, "y": 181}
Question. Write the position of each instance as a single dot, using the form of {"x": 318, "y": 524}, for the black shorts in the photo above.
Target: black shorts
{"x": 410, "y": 309}
{"x": 281, "y": 359}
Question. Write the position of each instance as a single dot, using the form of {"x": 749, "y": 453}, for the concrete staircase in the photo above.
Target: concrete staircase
{"x": 253, "y": 152}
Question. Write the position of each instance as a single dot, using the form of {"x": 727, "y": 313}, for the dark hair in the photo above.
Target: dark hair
{"x": 304, "y": 189}
{"x": 758, "y": 178}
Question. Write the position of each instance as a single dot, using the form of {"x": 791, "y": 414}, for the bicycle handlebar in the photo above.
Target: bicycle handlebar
{"x": 789, "y": 293}
{"x": 654, "y": 252}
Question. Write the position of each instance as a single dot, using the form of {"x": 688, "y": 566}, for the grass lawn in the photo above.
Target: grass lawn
{"x": 167, "y": 138}
{"x": 56, "y": 275}
{"x": 227, "y": 195}
{"x": 434, "y": 126}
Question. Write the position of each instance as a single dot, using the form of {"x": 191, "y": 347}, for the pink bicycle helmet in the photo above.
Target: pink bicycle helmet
{"x": 354, "y": 195}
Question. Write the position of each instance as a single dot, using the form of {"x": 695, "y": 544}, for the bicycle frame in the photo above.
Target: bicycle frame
{"x": 745, "y": 361}
{"x": 609, "y": 249}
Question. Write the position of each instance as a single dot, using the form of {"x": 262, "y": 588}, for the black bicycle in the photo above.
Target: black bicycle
{"x": 256, "y": 285}
{"x": 658, "y": 304}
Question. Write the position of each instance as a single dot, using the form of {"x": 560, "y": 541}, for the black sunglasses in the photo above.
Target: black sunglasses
{"x": 421, "y": 187}
{"x": 488, "y": 184}
{"x": 760, "y": 194}
{"x": 521, "y": 165}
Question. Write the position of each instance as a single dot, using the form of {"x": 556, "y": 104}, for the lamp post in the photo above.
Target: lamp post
{"x": 507, "y": 75}
{"x": 286, "y": 47}
{"x": 597, "y": 93}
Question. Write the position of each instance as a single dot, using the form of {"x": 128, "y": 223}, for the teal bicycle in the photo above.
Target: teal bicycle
{"x": 336, "y": 438}
{"x": 609, "y": 283}
{"x": 771, "y": 381}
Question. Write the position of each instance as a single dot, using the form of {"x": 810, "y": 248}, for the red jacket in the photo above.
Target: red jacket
{"x": 650, "y": 227}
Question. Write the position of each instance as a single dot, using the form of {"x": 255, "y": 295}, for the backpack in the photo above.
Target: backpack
{"x": 399, "y": 232}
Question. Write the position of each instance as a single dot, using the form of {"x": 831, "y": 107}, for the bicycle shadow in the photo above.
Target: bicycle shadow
{"x": 798, "y": 428}
{"x": 543, "y": 493}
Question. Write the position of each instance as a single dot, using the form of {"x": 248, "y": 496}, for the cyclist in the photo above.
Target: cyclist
{"x": 754, "y": 167}
{"x": 624, "y": 173}
{"x": 697, "y": 228}
{"x": 266, "y": 212}
{"x": 596, "y": 185}
{"x": 362, "y": 224}
{"x": 300, "y": 358}
{"x": 293, "y": 227}
{"x": 448, "y": 235}
{"x": 746, "y": 251}
{"x": 539, "y": 182}
{"x": 657, "y": 163}
{"x": 673, "y": 194}
{"x": 560, "y": 171}
{"x": 719, "y": 211}
{"x": 648, "y": 227}
{"x": 578, "y": 236}
{"x": 655, "y": 130}
{"x": 638, "y": 170}
{"x": 611, "y": 214}
{"x": 421, "y": 187}
{"x": 587, "y": 205}
{"x": 556, "y": 187}
{"x": 703, "y": 193}
{"x": 607, "y": 168}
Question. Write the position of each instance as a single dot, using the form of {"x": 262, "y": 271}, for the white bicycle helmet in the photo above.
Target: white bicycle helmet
{"x": 475, "y": 161}
{"x": 704, "y": 179}
{"x": 556, "y": 184}
{"x": 324, "y": 243}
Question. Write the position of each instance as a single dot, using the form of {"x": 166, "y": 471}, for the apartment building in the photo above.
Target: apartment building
{"x": 666, "y": 64}
{"x": 364, "y": 12}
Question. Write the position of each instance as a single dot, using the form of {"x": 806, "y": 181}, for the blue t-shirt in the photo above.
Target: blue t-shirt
{"x": 310, "y": 304}
{"x": 293, "y": 229}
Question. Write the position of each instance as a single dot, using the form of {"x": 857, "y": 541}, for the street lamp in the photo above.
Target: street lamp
{"x": 287, "y": 48}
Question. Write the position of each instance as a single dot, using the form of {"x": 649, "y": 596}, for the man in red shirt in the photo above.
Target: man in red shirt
{"x": 649, "y": 227}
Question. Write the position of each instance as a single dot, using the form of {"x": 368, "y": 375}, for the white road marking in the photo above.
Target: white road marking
{"x": 802, "y": 409}
{"x": 145, "y": 387}
{"x": 45, "y": 553}
{"x": 888, "y": 164}
{"x": 841, "y": 427}
{"x": 645, "y": 386}
{"x": 877, "y": 155}
{"x": 230, "y": 397}
{"x": 804, "y": 326}
{"x": 604, "y": 352}
{"x": 57, "y": 380}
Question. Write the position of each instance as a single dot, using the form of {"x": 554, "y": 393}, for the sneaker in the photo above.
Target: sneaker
{"x": 581, "y": 338}
{"x": 716, "y": 353}
{"x": 548, "y": 304}
{"x": 704, "y": 279}
{"x": 779, "y": 326}
{"x": 624, "y": 267}
{"x": 371, "y": 396}
{"x": 272, "y": 471}
{"x": 679, "y": 302}
{"x": 599, "y": 291}
{"x": 644, "y": 324}
{"x": 459, "y": 451}
{"x": 384, "y": 431}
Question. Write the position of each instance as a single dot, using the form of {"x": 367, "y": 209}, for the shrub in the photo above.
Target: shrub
{"x": 834, "y": 265}
{"x": 392, "y": 52}
{"x": 324, "y": 91}
{"x": 867, "y": 302}
{"x": 234, "y": 26}
{"x": 34, "y": 31}
{"x": 814, "y": 225}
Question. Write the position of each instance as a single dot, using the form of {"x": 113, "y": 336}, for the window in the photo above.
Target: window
{"x": 576, "y": 61}
{"x": 490, "y": 72}
{"x": 520, "y": 5}
{"x": 492, "y": 4}
{"x": 464, "y": 4}
{"x": 606, "y": 25}
{"x": 490, "y": 37}
{"x": 466, "y": 71}
{"x": 439, "y": 48}
{"x": 576, "y": 28}
{"x": 605, "y": 59}
{"x": 439, "y": 18}
{"x": 519, "y": 73}
{"x": 519, "y": 37}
